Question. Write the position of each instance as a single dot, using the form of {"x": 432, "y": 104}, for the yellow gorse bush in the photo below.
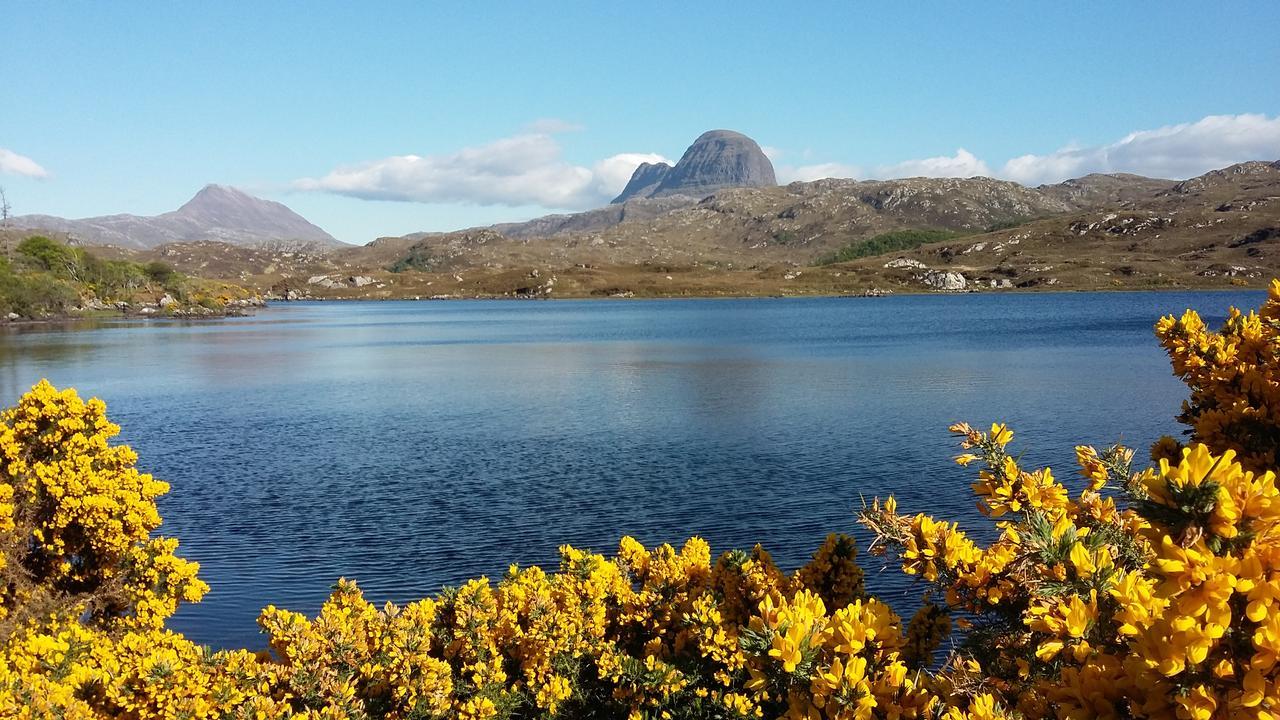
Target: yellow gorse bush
{"x": 1234, "y": 378}
{"x": 1145, "y": 593}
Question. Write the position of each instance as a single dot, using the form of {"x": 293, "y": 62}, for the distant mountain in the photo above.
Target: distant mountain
{"x": 217, "y": 212}
{"x": 718, "y": 159}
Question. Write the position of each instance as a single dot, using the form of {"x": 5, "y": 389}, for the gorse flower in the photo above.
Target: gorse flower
{"x": 1147, "y": 593}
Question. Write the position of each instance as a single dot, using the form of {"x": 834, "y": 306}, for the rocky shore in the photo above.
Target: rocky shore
{"x": 166, "y": 307}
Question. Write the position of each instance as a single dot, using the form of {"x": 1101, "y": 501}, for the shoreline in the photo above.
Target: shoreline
{"x": 267, "y": 304}
{"x": 786, "y": 296}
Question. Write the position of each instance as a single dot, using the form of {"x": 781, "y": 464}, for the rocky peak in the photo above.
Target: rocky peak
{"x": 221, "y": 201}
{"x": 220, "y": 210}
{"x": 717, "y": 159}
{"x": 644, "y": 182}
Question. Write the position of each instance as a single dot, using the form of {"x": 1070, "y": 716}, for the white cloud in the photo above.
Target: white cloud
{"x": 808, "y": 173}
{"x": 15, "y": 164}
{"x": 522, "y": 170}
{"x": 774, "y": 154}
{"x": 1174, "y": 151}
{"x": 963, "y": 164}
{"x": 529, "y": 168}
{"x": 612, "y": 173}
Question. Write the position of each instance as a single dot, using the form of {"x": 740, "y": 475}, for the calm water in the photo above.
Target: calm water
{"x": 412, "y": 445}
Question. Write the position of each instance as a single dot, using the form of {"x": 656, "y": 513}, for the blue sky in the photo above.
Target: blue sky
{"x": 398, "y": 117}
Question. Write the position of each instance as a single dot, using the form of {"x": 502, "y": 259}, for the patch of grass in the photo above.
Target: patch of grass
{"x": 1008, "y": 224}
{"x": 895, "y": 241}
{"x": 419, "y": 258}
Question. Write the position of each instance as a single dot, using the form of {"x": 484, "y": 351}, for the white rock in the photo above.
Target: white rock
{"x": 949, "y": 280}
{"x": 905, "y": 263}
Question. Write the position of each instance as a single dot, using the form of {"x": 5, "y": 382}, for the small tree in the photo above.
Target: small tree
{"x": 5, "y": 207}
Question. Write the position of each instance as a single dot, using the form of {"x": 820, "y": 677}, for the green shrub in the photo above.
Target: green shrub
{"x": 48, "y": 277}
{"x": 49, "y": 255}
{"x": 883, "y": 243}
{"x": 36, "y": 294}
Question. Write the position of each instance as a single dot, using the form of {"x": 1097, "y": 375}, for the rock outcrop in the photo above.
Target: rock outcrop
{"x": 947, "y": 280}
{"x": 718, "y": 159}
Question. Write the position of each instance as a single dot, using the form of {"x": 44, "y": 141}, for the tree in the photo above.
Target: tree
{"x": 5, "y": 207}
{"x": 51, "y": 255}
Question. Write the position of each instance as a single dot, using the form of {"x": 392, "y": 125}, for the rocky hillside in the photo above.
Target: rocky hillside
{"x": 718, "y": 159}
{"x": 1219, "y": 229}
{"x": 217, "y": 213}
{"x": 756, "y": 227}
{"x": 1099, "y": 231}
{"x": 597, "y": 220}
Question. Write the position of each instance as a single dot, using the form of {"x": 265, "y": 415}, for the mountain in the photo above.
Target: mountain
{"x": 217, "y": 212}
{"x": 718, "y": 159}
{"x": 1221, "y": 229}
{"x": 801, "y": 223}
{"x": 743, "y": 227}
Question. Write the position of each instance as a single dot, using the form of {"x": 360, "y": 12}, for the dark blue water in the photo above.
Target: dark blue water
{"x": 412, "y": 445}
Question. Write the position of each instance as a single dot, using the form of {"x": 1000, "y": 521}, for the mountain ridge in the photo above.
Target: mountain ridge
{"x": 1091, "y": 233}
{"x": 216, "y": 212}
